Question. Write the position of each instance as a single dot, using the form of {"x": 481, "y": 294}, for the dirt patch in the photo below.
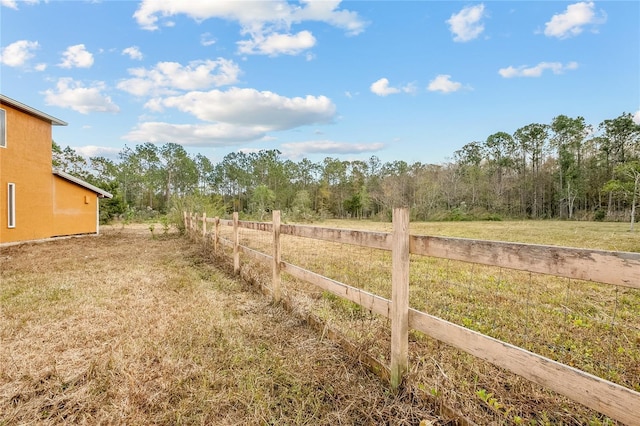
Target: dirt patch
{"x": 128, "y": 329}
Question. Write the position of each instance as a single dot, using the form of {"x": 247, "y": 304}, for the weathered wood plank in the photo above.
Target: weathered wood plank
{"x": 399, "y": 296}
{"x": 601, "y": 395}
{"x": 236, "y": 244}
{"x": 379, "y": 240}
{"x": 609, "y": 267}
{"x": 225, "y": 242}
{"x": 276, "y": 258}
{"x": 258, "y": 226}
{"x": 226, "y": 222}
{"x": 369, "y": 301}
{"x": 265, "y": 258}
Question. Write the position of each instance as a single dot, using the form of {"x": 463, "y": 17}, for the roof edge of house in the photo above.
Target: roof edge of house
{"x": 30, "y": 110}
{"x": 82, "y": 183}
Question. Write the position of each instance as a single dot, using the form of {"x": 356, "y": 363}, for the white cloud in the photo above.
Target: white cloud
{"x": 442, "y": 83}
{"x": 299, "y": 149}
{"x": 571, "y": 22}
{"x": 207, "y": 40}
{"x": 41, "y": 67}
{"x": 466, "y": 25}
{"x": 279, "y": 13}
{"x": 219, "y": 134}
{"x": 636, "y": 117}
{"x": 267, "y": 23}
{"x": 233, "y": 116}
{"x": 167, "y": 77}
{"x": 76, "y": 56}
{"x": 536, "y": 71}
{"x": 275, "y": 44}
{"x": 18, "y": 53}
{"x": 89, "y": 151}
{"x": 381, "y": 88}
{"x": 249, "y": 107}
{"x": 133, "y": 52}
{"x": 13, "y": 4}
{"x": 74, "y": 95}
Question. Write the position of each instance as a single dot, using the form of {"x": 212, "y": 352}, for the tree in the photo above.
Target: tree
{"x": 568, "y": 138}
{"x": 532, "y": 140}
{"x": 628, "y": 183}
{"x": 500, "y": 149}
{"x": 262, "y": 200}
{"x": 69, "y": 161}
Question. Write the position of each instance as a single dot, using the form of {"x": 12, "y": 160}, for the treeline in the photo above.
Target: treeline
{"x": 565, "y": 169}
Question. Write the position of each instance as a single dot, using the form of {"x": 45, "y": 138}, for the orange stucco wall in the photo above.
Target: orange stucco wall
{"x": 46, "y": 205}
{"x": 26, "y": 161}
{"x": 74, "y": 208}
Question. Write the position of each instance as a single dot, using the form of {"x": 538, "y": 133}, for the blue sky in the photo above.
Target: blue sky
{"x": 402, "y": 80}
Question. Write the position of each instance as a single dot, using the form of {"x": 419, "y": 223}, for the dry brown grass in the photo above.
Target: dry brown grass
{"x": 126, "y": 329}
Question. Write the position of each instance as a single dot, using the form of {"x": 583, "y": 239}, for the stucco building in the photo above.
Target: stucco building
{"x": 37, "y": 202}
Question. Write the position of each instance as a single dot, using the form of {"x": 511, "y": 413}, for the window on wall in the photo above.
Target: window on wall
{"x": 3, "y": 128}
{"x": 11, "y": 205}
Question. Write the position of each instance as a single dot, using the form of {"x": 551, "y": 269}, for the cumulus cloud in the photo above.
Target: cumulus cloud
{"x": 266, "y": 22}
{"x": 18, "y": 53}
{"x": 573, "y": 20}
{"x": 133, "y": 52}
{"x": 232, "y": 117}
{"x": 299, "y": 149}
{"x": 467, "y": 24}
{"x": 277, "y": 44}
{"x": 219, "y": 134}
{"x": 442, "y": 83}
{"x": 536, "y": 71}
{"x": 76, "y": 56}
{"x": 167, "y": 77}
{"x": 72, "y": 94}
{"x": 381, "y": 88}
{"x": 636, "y": 117}
{"x": 249, "y": 107}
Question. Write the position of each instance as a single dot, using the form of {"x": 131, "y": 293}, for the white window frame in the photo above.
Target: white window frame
{"x": 3, "y": 128}
{"x": 11, "y": 205}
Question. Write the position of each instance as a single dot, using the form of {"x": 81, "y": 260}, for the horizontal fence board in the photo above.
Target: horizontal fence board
{"x": 379, "y": 240}
{"x": 370, "y": 301}
{"x": 256, "y": 254}
{"x": 227, "y": 222}
{"x": 601, "y": 395}
{"x": 211, "y": 219}
{"x": 258, "y": 226}
{"x": 225, "y": 242}
{"x": 608, "y": 267}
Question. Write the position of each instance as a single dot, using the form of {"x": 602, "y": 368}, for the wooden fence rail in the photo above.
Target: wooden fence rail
{"x": 615, "y": 268}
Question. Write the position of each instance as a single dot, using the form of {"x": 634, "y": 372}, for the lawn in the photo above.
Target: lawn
{"x": 128, "y": 329}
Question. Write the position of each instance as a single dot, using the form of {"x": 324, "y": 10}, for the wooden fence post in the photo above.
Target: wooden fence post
{"x": 399, "y": 296}
{"x": 216, "y": 233}
{"x": 276, "y": 256}
{"x": 204, "y": 225}
{"x": 236, "y": 244}
{"x": 184, "y": 219}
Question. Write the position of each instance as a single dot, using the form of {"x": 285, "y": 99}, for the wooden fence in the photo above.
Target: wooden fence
{"x": 615, "y": 268}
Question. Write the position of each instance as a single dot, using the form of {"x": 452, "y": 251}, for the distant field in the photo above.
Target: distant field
{"x": 594, "y": 235}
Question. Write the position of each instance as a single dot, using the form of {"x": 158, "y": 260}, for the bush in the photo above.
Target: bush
{"x": 599, "y": 215}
